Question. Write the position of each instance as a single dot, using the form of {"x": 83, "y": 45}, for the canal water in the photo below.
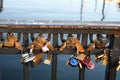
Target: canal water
{"x": 63, "y": 10}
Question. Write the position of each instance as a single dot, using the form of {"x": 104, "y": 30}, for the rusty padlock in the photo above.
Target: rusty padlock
{"x": 72, "y": 43}
{"x": 11, "y": 41}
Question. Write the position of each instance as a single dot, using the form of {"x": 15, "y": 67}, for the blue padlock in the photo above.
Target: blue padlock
{"x": 73, "y": 62}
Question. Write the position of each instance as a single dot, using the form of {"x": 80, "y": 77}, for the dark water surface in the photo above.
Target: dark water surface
{"x": 77, "y": 10}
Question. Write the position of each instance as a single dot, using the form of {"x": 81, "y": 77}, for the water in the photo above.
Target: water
{"x": 81, "y": 10}
{"x": 77, "y": 10}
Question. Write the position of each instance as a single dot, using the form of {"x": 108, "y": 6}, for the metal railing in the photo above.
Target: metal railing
{"x": 56, "y": 30}
{"x": 1, "y": 5}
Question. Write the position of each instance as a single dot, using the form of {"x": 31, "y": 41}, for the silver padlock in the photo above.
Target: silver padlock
{"x": 27, "y": 57}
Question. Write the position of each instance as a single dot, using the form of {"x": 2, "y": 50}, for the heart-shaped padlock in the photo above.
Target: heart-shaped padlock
{"x": 87, "y": 62}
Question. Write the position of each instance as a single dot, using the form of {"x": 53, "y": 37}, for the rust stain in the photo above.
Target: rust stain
{"x": 60, "y": 27}
{"x": 117, "y": 33}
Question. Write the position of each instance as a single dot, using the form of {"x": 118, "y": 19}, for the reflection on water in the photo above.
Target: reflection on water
{"x": 81, "y": 9}
{"x": 103, "y": 13}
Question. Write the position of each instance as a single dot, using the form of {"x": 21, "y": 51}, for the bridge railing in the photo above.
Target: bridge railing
{"x": 56, "y": 30}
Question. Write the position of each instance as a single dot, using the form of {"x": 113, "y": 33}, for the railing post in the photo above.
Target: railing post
{"x": 113, "y": 55}
{"x": 84, "y": 43}
{"x": 26, "y": 65}
{"x": 54, "y": 57}
{"x": 1, "y": 5}
{"x": 0, "y": 74}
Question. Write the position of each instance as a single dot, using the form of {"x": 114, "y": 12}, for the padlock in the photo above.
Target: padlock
{"x": 72, "y": 43}
{"x": 37, "y": 60}
{"x": 41, "y": 43}
{"x": 50, "y": 46}
{"x": 100, "y": 55}
{"x": 105, "y": 60}
{"x": 18, "y": 46}
{"x": 80, "y": 65}
{"x": 70, "y": 60}
{"x": 67, "y": 62}
{"x": 87, "y": 62}
{"x": 68, "y": 43}
{"x": 91, "y": 46}
{"x": 81, "y": 56}
{"x": 101, "y": 41}
{"x": 27, "y": 57}
{"x": 63, "y": 46}
{"x": 118, "y": 65}
{"x": 1, "y": 44}
{"x": 73, "y": 62}
{"x": 36, "y": 45}
{"x": 38, "y": 42}
{"x": 47, "y": 59}
{"x": 118, "y": 68}
{"x": 75, "y": 43}
{"x": 11, "y": 41}
{"x": 45, "y": 48}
